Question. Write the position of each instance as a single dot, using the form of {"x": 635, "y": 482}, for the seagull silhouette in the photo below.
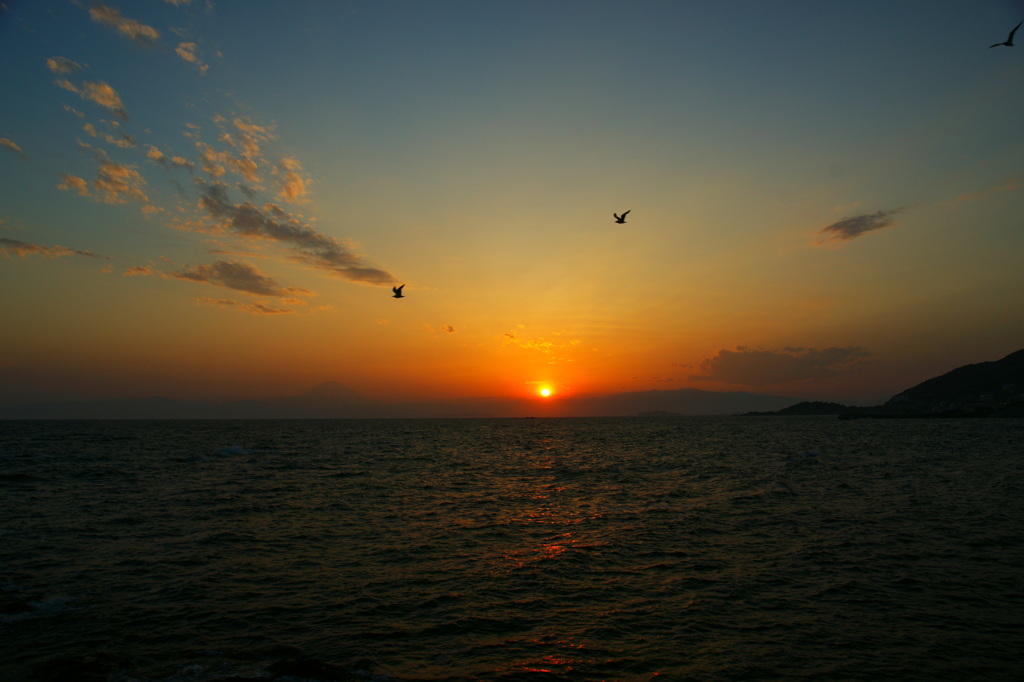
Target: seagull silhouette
{"x": 397, "y": 292}
{"x": 621, "y": 219}
{"x": 1009, "y": 40}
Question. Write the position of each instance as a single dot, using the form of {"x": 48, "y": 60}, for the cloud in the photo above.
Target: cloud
{"x": 129, "y": 28}
{"x": 62, "y": 65}
{"x": 271, "y": 223}
{"x": 212, "y": 161}
{"x": 122, "y": 140}
{"x": 244, "y": 137}
{"x": 118, "y": 184}
{"x": 850, "y": 228}
{"x": 139, "y": 271}
{"x": 553, "y": 347}
{"x": 240, "y": 276}
{"x": 758, "y": 367}
{"x": 293, "y": 185}
{"x": 73, "y": 183}
{"x": 11, "y": 145}
{"x": 187, "y": 51}
{"x": 100, "y": 93}
{"x": 10, "y": 247}
{"x": 448, "y": 328}
{"x": 255, "y": 308}
{"x": 114, "y": 184}
{"x": 248, "y": 137}
{"x": 156, "y": 155}
{"x": 1009, "y": 184}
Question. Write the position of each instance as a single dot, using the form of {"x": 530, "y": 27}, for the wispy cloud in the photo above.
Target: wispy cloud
{"x": 99, "y": 93}
{"x": 238, "y": 275}
{"x": 121, "y": 139}
{"x": 129, "y": 28}
{"x": 236, "y": 178}
{"x": 9, "y": 144}
{"x": 758, "y": 367}
{"x": 118, "y": 184}
{"x": 154, "y": 154}
{"x": 187, "y": 51}
{"x": 272, "y": 223}
{"x": 114, "y": 184}
{"x": 62, "y": 65}
{"x": 73, "y": 183}
{"x": 1009, "y": 184}
{"x": 293, "y": 182}
{"x": 557, "y": 347}
{"x": 14, "y": 247}
{"x": 255, "y": 308}
{"x": 244, "y": 154}
{"x": 139, "y": 271}
{"x": 851, "y": 228}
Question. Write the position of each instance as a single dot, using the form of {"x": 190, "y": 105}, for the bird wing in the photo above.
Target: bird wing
{"x": 1009, "y": 38}
{"x": 626, "y": 213}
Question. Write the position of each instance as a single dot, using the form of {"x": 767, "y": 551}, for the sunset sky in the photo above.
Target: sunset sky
{"x": 211, "y": 199}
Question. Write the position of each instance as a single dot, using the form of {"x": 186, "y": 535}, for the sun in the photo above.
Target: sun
{"x": 545, "y": 392}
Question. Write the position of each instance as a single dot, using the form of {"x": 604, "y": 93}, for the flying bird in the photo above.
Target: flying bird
{"x": 621, "y": 219}
{"x": 397, "y": 292}
{"x": 1009, "y": 39}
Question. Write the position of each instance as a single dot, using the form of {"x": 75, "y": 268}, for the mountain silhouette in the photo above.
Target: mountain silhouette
{"x": 983, "y": 389}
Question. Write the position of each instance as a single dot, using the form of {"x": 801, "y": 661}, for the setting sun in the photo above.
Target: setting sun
{"x": 545, "y": 392}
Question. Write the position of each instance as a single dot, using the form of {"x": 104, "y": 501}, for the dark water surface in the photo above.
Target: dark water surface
{"x": 586, "y": 549}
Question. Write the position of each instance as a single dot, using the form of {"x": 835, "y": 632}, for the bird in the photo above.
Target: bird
{"x": 621, "y": 219}
{"x": 397, "y": 292}
{"x": 1009, "y": 39}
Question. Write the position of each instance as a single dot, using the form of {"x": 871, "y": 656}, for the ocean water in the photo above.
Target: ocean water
{"x": 512, "y": 549}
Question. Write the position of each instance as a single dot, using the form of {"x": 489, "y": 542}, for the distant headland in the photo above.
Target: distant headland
{"x": 985, "y": 389}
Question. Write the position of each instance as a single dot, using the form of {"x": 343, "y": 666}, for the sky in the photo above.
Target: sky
{"x": 204, "y": 199}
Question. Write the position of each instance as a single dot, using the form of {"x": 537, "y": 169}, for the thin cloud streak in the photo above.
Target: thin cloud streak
{"x": 255, "y": 308}
{"x": 114, "y": 184}
{"x": 99, "y": 93}
{"x": 187, "y": 51}
{"x": 1010, "y": 184}
{"x": 238, "y": 275}
{"x": 130, "y": 28}
{"x": 10, "y": 144}
{"x": 14, "y": 247}
{"x": 62, "y": 65}
{"x": 851, "y": 228}
{"x": 272, "y": 223}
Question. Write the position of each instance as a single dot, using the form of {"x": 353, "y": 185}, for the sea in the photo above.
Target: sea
{"x": 661, "y": 548}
